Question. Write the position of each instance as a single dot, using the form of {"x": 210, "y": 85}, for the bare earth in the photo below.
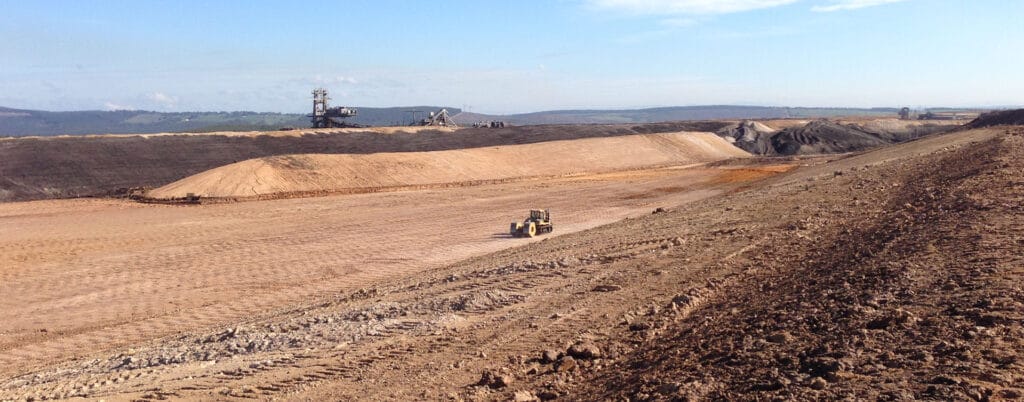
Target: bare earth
{"x": 894, "y": 274}
{"x": 280, "y": 176}
{"x": 81, "y": 276}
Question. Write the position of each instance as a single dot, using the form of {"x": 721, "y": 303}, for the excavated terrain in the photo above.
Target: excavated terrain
{"x": 290, "y": 175}
{"x": 34, "y": 168}
{"x": 893, "y": 274}
{"x": 827, "y": 136}
{"x": 896, "y": 281}
{"x": 999, "y": 118}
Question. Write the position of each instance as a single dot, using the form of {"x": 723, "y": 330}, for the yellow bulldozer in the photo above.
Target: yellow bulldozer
{"x": 539, "y": 222}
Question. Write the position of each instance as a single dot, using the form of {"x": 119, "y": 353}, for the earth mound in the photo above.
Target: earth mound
{"x": 1001, "y": 118}
{"x": 821, "y": 137}
{"x": 825, "y": 136}
{"x": 309, "y": 174}
{"x": 33, "y": 168}
{"x": 750, "y": 136}
{"x": 892, "y": 130}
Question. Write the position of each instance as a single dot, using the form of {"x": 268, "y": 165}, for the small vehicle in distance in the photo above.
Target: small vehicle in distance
{"x": 539, "y": 222}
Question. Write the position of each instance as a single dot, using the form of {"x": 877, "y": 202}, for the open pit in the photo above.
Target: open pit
{"x": 679, "y": 270}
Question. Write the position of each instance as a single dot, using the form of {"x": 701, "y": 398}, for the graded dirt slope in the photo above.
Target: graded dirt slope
{"x": 893, "y": 274}
{"x": 901, "y": 281}
{"x": 79, "y": 277}
{"x": 304, "y": 174}
{"x": 69, "y": 167}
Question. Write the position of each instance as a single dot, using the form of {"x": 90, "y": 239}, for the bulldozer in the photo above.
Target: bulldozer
{"x": 539, "y": 222}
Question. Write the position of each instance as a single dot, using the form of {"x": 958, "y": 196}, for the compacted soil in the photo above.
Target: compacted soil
{"x": 85, "y": 276}
{"x": 893, "y": 274}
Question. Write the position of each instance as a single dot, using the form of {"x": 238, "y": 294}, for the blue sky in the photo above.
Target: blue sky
{"x": 509, "y": 56}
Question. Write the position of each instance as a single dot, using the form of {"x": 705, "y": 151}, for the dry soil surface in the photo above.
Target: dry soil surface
{"x": 82, "y": 277}
{"x": 82, "y": 166}
{"x": 888, "y": 275}
{"x": 319, "y": 173}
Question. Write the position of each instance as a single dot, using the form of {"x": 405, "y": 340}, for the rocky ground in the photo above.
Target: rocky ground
{"x": 893, "y": 274}
{"x": 902, "y": 281}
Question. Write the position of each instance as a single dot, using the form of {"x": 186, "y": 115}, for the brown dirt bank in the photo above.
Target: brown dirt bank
{"x": 83, "y": 276}
{"x": 1000, "y": 118}
{"x": 67, "y": 167}
{"x": 901, "y": 281}
{"x": 314, "y": 173}
{"x": 893, "y": 274}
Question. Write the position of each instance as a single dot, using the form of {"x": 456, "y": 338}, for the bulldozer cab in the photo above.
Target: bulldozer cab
{"x": 539, "y": 222}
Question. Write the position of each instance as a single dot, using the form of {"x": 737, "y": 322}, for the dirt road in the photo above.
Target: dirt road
{"x": 84, "y": 276}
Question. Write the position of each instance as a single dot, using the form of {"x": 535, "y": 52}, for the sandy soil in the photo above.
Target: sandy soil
{"x": 290, "y": 174}
{"x": 887, "y": 275}
{"x": 72, "y": 167}
{"x": 83, "y": 276}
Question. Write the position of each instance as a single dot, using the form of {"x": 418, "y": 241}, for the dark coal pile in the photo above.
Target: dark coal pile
{"x": 1001, "y": 118}
{"x": 899, "y": 131}
{"x": 750, "y": 136}
{"x": 824, "y": 137}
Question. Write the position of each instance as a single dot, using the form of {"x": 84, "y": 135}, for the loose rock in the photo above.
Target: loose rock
{"x": 584, "y": 350}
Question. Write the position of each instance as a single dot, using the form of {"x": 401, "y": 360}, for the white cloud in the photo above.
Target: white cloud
{"x": 321, "y": 80}
{"x": 686, "y": 7}
{"x": 163, "y": 99}
{"x": 113, "y": 106}
{"x": 840, "y": 5}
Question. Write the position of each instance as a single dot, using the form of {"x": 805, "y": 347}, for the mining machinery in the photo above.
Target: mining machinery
{"x": 439, "y": 118}
{"x": 489, "y": 124}
{"x": 905, "y": 113}
{"x": 325, "y": 116}
{"x": 538, "y": 222}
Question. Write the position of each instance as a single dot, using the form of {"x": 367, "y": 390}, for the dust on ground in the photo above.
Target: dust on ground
{"x": 892, "y": 274}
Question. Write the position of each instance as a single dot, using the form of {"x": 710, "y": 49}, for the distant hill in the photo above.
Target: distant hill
{"x": 78, "y": 166}
{"x": 661, "y": 114}
{"x": 17, "y": 122}
{"x": 682, "y": 113}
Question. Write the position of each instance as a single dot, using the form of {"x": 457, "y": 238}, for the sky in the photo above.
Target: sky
{"x": 506, "y": 57}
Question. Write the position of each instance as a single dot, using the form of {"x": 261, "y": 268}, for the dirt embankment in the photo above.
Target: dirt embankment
{"x": 825, "y": 136}
{"x": 318, "y": 173}
{"x": 68, "y": 167}
{"x": 1000, "y": 118}
{"x": 892, "y": 274}
{"x": 903, "y": 283}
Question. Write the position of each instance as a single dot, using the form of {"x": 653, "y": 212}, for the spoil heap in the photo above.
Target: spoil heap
{"x": 313, "y": 174}
{"x": 750, "y": 136}
{"x": 1001, "y": 118}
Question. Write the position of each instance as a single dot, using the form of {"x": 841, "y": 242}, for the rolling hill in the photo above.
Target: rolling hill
{"x": 18, "y": 122}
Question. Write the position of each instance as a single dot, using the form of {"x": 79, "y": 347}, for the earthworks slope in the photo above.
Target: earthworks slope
{"x": 317, "y": 173}
{"x": 85, "y": 166}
